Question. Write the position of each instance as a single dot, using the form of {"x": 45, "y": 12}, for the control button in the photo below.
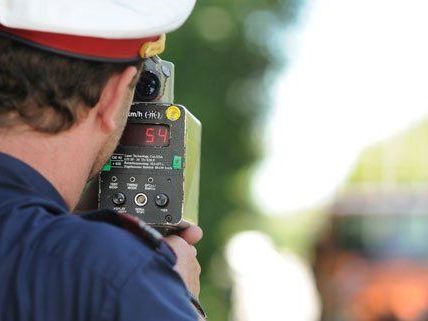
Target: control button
{"x": 161, "y": 200}
{"x": 150, "y": 180}
{"x": 140, "y": 199}
{"x": 132, "y": 179}
{"x": 177, "y": 162}
{"x": 118, "y": 199}
{"x": 114, "y": 179}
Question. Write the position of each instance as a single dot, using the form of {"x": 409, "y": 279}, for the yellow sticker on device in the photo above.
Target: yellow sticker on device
{"x": 173, "y": 113}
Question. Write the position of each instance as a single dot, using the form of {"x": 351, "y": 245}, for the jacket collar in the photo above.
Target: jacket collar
{"x": 18, "y": 178}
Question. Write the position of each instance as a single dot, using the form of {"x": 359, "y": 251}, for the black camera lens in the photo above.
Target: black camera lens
{"x": 148, "y": 87}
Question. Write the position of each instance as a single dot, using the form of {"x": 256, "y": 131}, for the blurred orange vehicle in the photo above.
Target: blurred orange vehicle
{"x": 372, "y": 262}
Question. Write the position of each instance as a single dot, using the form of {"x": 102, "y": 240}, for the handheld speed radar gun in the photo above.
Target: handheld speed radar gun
{"x": 154, "y": 172}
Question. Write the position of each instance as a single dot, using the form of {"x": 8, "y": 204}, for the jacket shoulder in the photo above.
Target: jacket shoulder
{"x": 106, "y": 250}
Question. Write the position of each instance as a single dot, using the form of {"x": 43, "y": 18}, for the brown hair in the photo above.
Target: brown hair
{"x": 45, "y": 90}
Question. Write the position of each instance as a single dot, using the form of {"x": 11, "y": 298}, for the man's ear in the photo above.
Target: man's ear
{"x": 113, "y": 96}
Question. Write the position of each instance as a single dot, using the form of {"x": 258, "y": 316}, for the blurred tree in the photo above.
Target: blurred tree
{"x": 222, "y": 56}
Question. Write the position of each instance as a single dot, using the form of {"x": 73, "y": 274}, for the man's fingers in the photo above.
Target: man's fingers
{"x": 178, "y": 244}
{"x": 194, "y": 250}
{"x": 187, "y": 264}
{"x": 193, "y": 234}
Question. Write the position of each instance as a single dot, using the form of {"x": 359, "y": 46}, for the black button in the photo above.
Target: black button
{"x": 161, "y": 200}
{"x": 118, "y": 199}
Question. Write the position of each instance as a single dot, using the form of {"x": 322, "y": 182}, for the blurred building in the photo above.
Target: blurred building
{"x": 372, "y": 261}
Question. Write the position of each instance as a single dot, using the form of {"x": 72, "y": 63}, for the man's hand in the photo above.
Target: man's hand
{"x": 187, "y": 264}
{"x": 192, "y": 235}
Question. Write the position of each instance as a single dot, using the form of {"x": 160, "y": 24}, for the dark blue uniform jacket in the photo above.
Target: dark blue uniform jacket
{"x": 56, "y": 266}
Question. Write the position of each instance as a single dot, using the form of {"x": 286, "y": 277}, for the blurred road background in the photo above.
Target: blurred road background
{"x": 314, "y": 187}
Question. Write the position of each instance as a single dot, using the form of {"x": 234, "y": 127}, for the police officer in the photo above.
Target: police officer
{"x": 67, "y": 75}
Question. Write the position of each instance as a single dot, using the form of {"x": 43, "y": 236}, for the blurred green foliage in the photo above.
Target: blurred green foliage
{"x": 222, "y": 56}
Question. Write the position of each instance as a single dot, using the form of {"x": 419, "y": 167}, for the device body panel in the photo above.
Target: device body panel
{"x": 154, "y": 172}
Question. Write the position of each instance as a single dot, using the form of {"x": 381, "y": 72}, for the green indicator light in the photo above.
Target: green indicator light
{"x": 107, "y": 166}
{"x": 177, "y": 162}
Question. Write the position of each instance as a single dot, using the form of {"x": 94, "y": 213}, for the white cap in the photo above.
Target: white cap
{"x": 101, "y": 19}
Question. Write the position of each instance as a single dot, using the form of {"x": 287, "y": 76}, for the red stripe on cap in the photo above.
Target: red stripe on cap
{"x": 120, "y": 49}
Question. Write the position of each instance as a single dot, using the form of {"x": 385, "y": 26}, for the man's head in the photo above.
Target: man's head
{"x": 48, "y": 92}
{"x": 67, "y": 76}
{"x": 51, "y": 93}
